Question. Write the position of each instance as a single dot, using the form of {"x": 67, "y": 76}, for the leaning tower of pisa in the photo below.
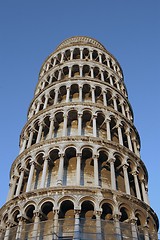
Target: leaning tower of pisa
{"x": 79, "y": 174}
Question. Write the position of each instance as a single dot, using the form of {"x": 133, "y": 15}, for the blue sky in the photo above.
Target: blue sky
{"x": 31, "y": 30}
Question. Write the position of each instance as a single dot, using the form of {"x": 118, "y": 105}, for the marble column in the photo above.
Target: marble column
{"x": 116, "y": 218}
{"x": 38, "y": 106}
{"x": 20, "y": 182}
{"x": 112, "y": 169}
{"x": 79, "y": 124}
{"x": 98, "y": 225}
{"x": 80, "y": 93}
{"x": 31, "y": 172}
{"x": 114, "y": 103}
{"x": 104, "y": 98}
{"x": 120, "y": 134}
{"x": 50, "y": 134}
{"x": 94, "y": 126}
{"x": 12, "y": 187}
{"x": 80, "y": 70}
{"x": 56, "y": 96}
{"x": 68, "y": 93}
{"x": 36, "y": 224}
{"x": 39, "y": 131}
{"x": 108, "y": 128}
{"x": 138, "y": 194}
{"x": 24, "y": 144}
{"x": 126, "y": 180}
{"x": 96, "y": 174}
{"x": 19, "y": 228}
{"x": 78, "y": 169}
{"x": 30, "y": 138}
{"x": 7, "y": 232}
{"x": 44, "y": 172}
{"x": 93, "y": 95}
{"x": 62, "y": 57}
{"x": 60, "y": 170}
{"x": 65, "y": 125}
{"x": 76, "y": 225}
{"x": 55, "y": 224}
{"x": 145, "y": 198}
{"x": 134, "y": 228}
{"x": 129, "y": 139}
{"x": 46, "y": 101}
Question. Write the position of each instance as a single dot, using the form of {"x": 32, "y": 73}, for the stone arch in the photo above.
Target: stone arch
{"x": 106, "y": 76}
{"x": 65, "y": 72}
{"x": 51, "y": 98}
{"x": 104, "y": 60}
{"x": 140, "y": 218}
{"x": 131, "y": 168}
{"x": 86, "y": 71}
{"x": 95, "y": 56}
{"x": 66, "y": 219}
{"x": 119, "y": 172}
{"x": 110, "y": 99}
{"x": 86, "y": 54}
{"x": 53, "y": 167}
{"x": 70, "y": 161}
{"x": 86, "y": 93}
{"x": 67, "y": 55}
{"x": 75, "y": 71}
{"x": 124, "y": 135}
{"x": 101, "y": 125}
{"x": 47, "y": 210}
{"x": 72, "y": 123}
{"x": 98, "y": 95}
{"x": 97, "y": 73}
{"x": 76, "y": 53}
{"x": 58, "y": 58}
{"x": 87, "y": 168}
{"x": 58, "y": 124}
{"x": 74, "y": 93}
{"x": 87, "y": 123}
{"x": 62, "y": 94}
{"x": 104, "y": 169}
{"x": 113, "y": 129}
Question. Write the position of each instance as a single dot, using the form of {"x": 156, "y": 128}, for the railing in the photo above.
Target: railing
{"x": 86, "y": 229}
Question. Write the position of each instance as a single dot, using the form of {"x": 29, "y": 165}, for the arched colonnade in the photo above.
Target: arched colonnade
{"x": 103, "y": 168}
{"x": 81, "y": 93}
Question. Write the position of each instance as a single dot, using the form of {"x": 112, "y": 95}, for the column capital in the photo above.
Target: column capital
{"x": 68, "y": 86}
{"x": 95, "y": 156}
{"x": 94, "y": 115}
{"x": 46, "y": 157}
{"x": 125, "y": 165}
{"x": 37, "y": 213}
{"x": 32, "y": 162}
{"x": 133, "y": 220}
{"x": 51, "y": 118}
{"x": 61, "y": 155}
{"x": 80, "y": 114}
{"x": 40, "y": 122}
{"x": 135, "y": 173}
{"x": 117, "y": 216}
{"x": 128, "y": 131}
{"x": 65, "y": 115}
{"x": 79, "y": 154}
{"x": 108, "y": 119}
{"x": 77, "y": 211}
{"x": 111, "y": 160}
{"x": 98, "y": 213}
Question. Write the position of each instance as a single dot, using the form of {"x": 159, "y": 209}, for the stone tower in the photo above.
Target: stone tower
{"x": 79, "y": 174}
